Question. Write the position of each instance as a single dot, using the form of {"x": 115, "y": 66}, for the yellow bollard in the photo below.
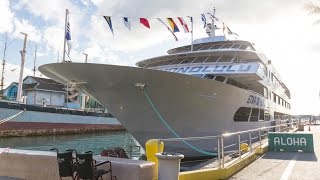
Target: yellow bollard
{"x": 244, "y": 147}
{"x": 151, "y": 150}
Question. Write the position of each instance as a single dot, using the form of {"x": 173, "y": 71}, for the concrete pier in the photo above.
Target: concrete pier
{"x": 286, "y": 165}
{"x": 41, "y": 165}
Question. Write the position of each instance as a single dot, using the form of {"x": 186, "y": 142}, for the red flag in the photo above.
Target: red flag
{"x": 145, "y": 22}
{"x": 184, "y": 25}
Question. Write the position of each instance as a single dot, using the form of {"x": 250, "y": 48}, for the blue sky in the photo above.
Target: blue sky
{"x": 282, "y": 29}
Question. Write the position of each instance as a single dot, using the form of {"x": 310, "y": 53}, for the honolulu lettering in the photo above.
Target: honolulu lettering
{"x": 233, "y": 68}
{"x": 255, "y": 100}
{"x": 290, "y": 141}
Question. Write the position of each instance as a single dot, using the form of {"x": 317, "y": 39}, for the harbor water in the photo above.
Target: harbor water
{"x": 81, "y": 142}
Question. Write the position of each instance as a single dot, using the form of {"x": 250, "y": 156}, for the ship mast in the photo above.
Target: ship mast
{"x": 213, "y": 27}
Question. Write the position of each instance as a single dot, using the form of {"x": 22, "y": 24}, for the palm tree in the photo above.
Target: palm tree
{"x": 313, "y": 8}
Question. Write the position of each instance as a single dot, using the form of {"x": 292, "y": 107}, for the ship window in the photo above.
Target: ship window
{"x": 217, "y": 46}
{"x": 177, "y": 61}
{"x": 200, "y": 59}
{"x": 265, "y": 92}
{"x": 235, "y": 46}
{"x": 242, "y": 114}
{"x": 213, "y": 59}
{"x": 226, "y": 58}
{"x": 261, "y": 114}
{"x": 243, "y": 46}
{"x": 266, "y": 115}
{"x": 220, "y": 78}
{"x": 254, "y": 114}
{"x": 226, "y": 46}
{"x": 187, "y": 60}
{"x": 209, "y": 76}
{"x": 196, "y": 48}
{"x": 155, "y": 64}
{"x": 206, "y": 47}
{"x": 167, "y": 62}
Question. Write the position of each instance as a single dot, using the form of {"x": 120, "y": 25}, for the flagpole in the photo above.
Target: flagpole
{"x": 191, "y": 34}
{"x": 64, "y": 37}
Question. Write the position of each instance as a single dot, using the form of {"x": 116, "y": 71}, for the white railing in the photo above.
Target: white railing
{"x": 261, "y": 134}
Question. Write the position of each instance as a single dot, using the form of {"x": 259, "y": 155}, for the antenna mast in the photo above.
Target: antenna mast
{"x": 34, "y": 61}
{"x": 3, "y": 64}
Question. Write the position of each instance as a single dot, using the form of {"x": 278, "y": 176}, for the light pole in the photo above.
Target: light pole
{"x": 86, "y": 58}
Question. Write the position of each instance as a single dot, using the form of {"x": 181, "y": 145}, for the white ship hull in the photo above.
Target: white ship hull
{"x": 171, "y": 105}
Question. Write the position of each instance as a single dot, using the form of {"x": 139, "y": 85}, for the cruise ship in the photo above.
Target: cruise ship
{"x": 214, "y": 86}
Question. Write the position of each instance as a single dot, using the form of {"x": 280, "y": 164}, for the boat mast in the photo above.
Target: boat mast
{"x": 3, "y": 64}
{"x": 23, "y": 55}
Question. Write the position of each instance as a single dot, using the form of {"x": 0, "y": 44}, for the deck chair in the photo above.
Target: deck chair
{"x": 87, "y": 168}
{"x": 65, "y": 164}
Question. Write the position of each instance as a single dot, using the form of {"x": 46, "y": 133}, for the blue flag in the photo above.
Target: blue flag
{"x": 108, "y": 19}
{"x": 68, "y": 37}
{"x": 204, "y": 20}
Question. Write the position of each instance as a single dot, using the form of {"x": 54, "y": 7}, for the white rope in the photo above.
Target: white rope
{"x": 11, "y": 117}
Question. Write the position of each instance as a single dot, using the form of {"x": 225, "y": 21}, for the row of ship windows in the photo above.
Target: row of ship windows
{"x": 221, "y": 79}
{"x": 217, "y": 46}
{"x": 276, "y": 99}
{"x": 200, "y": 59}
{"x": 245, "y": 114}
{"x": 248, "y": 114}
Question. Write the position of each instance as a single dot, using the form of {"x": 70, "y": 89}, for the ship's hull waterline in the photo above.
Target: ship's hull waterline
{"x": 170, "y": 105}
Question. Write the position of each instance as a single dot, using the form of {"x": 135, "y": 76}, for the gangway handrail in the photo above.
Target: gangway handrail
{"x": 11, "y": 117}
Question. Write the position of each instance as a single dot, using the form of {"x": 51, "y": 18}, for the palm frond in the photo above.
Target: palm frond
{"x": 312, "y": 7}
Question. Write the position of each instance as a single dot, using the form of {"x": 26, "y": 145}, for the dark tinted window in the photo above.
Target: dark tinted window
{"x": 226, "y": 58}
{"x": 209, "y": 76}
{"x": 212, "y": 58}
{"x": 220, "y": 78}
{"x": 200, "y": 59}
{"x": 254, "y": 114}
{"x": 226, "y": 46}
{"x": 242, "y": 114}
{"x": 261, "y": 114}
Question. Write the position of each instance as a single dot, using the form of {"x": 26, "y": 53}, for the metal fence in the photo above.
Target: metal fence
{"x": 255, "y": 139}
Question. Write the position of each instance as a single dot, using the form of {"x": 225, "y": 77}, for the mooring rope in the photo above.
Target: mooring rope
{"x": 172, "y": 130}
{"x": 11, "y": 117}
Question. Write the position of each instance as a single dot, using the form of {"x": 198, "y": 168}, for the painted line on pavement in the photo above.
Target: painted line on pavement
{"x": 288, "y": 170}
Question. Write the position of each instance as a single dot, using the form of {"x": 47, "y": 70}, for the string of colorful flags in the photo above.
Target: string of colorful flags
{"x": 172, "y": 27}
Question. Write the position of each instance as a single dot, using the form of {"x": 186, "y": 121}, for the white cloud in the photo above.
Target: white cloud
{"x": 48, "y": 10}
{"x": 23, "y": 25}
{"x": 53, "y": 38}
{"x": 6, "y": 17}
